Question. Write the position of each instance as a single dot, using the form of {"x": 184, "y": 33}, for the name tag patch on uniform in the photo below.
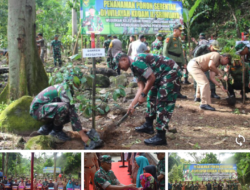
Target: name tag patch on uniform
{"x": 175, "y": 45}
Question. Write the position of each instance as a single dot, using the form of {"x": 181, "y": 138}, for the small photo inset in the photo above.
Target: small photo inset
{"x": 40, "y": 171}
{"x": 124, "y": 170}
{"x": 209, "y": 171}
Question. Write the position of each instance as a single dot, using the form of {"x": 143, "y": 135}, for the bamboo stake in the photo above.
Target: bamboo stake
{"x": 76, "y": 41}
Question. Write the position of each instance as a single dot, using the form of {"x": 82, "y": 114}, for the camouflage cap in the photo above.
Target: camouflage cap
{"x": 202, "y": 34}
{"x": 117, "y": 58}
{"x": 159, "y": 35}
{"x": 106, "y": 158}
{"x": 92, "y": 7}
{"x": 109, "y": 36}
{"x": 239, "y": 48}
{"x": 56, "y": 36}
{"x": 179, "y": 27}
{"x": 246, "y": 34}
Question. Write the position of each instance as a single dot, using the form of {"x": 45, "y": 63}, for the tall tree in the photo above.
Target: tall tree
{"x": 26, "y": 72}
{"x": 55, "y": 154}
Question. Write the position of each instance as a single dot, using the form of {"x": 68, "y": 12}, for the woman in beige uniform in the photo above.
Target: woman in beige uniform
{"x": 90, "y": 167}
{"x": 202, "y": 186}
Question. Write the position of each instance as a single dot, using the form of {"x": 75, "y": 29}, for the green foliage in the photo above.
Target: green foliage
{"x": 210, "y": 159}
{"x": 175, "y": 174}
{"x": 236, "y": 111}
{"x": 197, "y": 146}
{"x": 3, "y": 23}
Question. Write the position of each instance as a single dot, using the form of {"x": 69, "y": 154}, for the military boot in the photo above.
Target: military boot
{"x": 147, "y": 127}
{"x": 158, "y": 139}
{"x": 186, "y": 81}
{"x": 179, "y": 93}
{"x": 45, "y": 129}
{"x": 214, "y": 95}
{"x": 58, "y": 133}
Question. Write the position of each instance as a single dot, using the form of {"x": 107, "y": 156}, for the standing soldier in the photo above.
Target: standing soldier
{"x": 230, "y": 185}
{"x": 220, "y": 185}
{"x": 196, "y": 186}
{"x": 93, "y": 22}
{"x": 114, "y": 47}
{"x": 157, "y": 45}
{"x": 235, "y": 185}
{"x": 157, "y": 78}
{"x": 41, "y": 43}
{"x": 161, "y": 170}
{"x": 184, "y": 47}
{"x": 179, "y": 186}
{"x": 131, "y": 40}
{"x": 106, "y": 44}
{"x": 208, "y": 185}
{"x": 191, "y": 187}
{"x": 56, "y": 45}
{"x": 187, "y": 186}
{"x": 175, "y": 185}
{"x": 215, "y": 185}
{"x": 173, "y": 49}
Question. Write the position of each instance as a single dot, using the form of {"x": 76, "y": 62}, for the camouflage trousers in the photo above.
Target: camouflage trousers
{"x": 57, "y": 58}
{"x": 109, "y": 62}
{"x": 58, "y": 113}
{"x": 161, "y": 103}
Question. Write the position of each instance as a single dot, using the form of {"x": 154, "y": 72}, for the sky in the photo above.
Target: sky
{"x": 220, "y": 156}
{"x": 28, "y": 155}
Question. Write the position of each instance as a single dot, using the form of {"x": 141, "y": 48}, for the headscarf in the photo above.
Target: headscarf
{"x": 70, "y": 185}
{"x": 152, "y": 170}
{"x": 147, "y": 181}
{"x": 142, "y": 162}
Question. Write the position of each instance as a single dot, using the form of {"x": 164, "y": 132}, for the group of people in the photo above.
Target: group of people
{"x": 143, "y": 175}
{"x": 39, "y": 184}
{"x": 56, "y": 47}
{"x": 225, "y": 185}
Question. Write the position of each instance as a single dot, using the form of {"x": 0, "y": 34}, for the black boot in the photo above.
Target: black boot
{"x": 186, "y": 81}
{"x": 197, "y": 99}
{"x": 45, "y": 129}
{"x": 58, "y": 133}
{"x": 147, "y": 127}
{"x": 158, "y": 139}
{"x": 214, "y": 95}
{"x": 179, "y": 93}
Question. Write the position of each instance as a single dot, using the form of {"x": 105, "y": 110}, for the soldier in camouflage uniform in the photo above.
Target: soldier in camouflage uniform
{"x": 106, "y": 44}
{"x": 161, "y": 170}
{"x": 235, "y": 185}
{"x": 215, "y": 185}
{"x": 175, "y": 185}
{"x": 53, "y": 106}
{"x": 234, "y": 81}
{"x": 157, "y": 77}
{"x": 179, "y": 186}
{"x": 196, "y": 186}
{"x": 105, "y": 177}
{"x": 56, "y": 45}
{"x": 184, "y": 47}
{"x": 93, "y": 22}
{"x": 172, "y": 48}
{"x": 157, "y": 45}
{"x": 203, "y": 49}
{"x": 191, "y": 186}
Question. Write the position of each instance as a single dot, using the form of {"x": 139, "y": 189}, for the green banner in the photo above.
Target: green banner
{"x": 205, "y": 172}
{"x": 130, "y": 17}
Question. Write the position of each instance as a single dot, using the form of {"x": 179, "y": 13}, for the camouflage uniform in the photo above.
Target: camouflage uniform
{"x": 215, "y": 186}
{"x": 179, "y": 186}
{"x": 161, "y": 170}
{"x": 103, "y": 179}
{"x": 45, "y": 183}
{"x": 235, "y": 186}
{"x": 106, "y": 45}
{"x": 235, "y": 78}
{"x": 196, "y": 186}
{"x": 95, "y": 23}
{"x": 56, "y": 44}
{"x": 184, "y": 47}
{"x": 191, "y": 187}
{"x": 53, "y": 104}
{"x": 157, "y": 46}
{"x": 162, "y": 96}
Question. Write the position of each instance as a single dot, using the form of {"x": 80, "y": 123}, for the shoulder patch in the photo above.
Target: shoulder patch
{"x": 167, "y": 40}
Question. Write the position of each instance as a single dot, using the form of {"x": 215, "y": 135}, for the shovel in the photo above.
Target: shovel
{"x": 96, "y": 136}
{"x": 231, "y": 98}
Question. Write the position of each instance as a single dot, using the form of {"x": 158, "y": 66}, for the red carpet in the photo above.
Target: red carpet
{"x": 120, "y": 173}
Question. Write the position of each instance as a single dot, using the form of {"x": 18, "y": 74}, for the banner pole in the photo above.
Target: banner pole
{"x": 94, "y": 82}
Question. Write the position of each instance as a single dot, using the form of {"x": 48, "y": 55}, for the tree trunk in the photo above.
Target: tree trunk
{"x": 55, "y": 165}
{"x": 235, "y": 20}
{"x": 6, "y": 164}
{"x": 3, "y": 156}
{"x": 74, "y": 27}
{"x": 26, "y": 72}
